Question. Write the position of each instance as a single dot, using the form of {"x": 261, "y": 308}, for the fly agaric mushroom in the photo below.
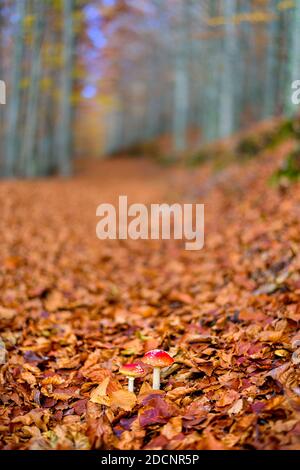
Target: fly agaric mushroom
{"x": 131, "y": 371}
{"x": 158, "y": 359}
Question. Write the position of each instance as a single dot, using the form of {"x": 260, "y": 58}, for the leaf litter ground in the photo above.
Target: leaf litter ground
{"x": 73, "y": 309}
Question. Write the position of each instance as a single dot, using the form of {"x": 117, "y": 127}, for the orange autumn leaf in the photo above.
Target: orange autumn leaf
{"x": 103, "y": 393}
{"x": 123, "y": 399}
{"x": 270, "y": 336}
{"x": 172, "y": 428}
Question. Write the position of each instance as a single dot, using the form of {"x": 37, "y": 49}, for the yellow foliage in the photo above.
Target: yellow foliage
{"x": 78, "y": 17}
{"x": 79, "y": 73}
{"x": 28, "y": 21}
{"x": 109, "y": 101}
{"x": 258, "y": 16}
{"x": 46, "y": 83}
{"x": 24, "y": 83}
{"x": 286, "y": 4}
{"x": 76, "y": 97}
{"x": 248, "y": 17}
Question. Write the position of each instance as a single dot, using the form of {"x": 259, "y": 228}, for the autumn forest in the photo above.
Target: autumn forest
{"x": 149, "y": 220}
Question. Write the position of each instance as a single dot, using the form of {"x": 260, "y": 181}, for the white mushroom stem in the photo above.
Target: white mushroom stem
{"x": 130, "y": 384}
{"x": 156, "y": 378}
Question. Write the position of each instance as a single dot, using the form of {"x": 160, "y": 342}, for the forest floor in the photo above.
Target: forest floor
{"x": 73, "y": 308}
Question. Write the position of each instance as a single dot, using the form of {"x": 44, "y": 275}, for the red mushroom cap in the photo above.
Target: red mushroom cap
{"x": 158, "y": 358}
{"x": 132, "y": 370}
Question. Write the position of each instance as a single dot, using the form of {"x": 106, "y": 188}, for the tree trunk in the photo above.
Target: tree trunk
{"x": 28, "y": 165}
{"x": 65, "y": 106}
{"x": 181, "y": 83}
{"x": 228, "y": 79}
{"x": 11, "y": 141}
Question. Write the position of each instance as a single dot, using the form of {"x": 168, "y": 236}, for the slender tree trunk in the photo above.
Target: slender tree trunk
{"x": 11, "y": 141}
{"x": 28, "y": 165}
{"x": 271, "y": 78}
{"x": 65, "y": 107}
{"x": 181, "y": 84}
{"x": 46, "y": 103}
{"x": 228, "y": 81}
{"x": 211, "y": 98}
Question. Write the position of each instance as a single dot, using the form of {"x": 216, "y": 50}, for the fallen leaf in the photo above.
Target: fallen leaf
{"x": 99, "y": 395}
{"x": 3, "y": 352}
{"x": 103, "y": 393}
{"x": 123, "y": 399}
{"x": 172, "y": 428}
{"x": 7, "y": 314}
{"x": 270, "y": 336}
{"x": 296, "y": 357}
{"x": 236, "y": 408}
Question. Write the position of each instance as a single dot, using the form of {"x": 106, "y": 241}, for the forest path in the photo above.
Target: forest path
{"x": 73, "y": 308}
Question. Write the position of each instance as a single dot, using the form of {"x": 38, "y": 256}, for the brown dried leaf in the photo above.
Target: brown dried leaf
{"x": 172, "y": 428}
{"x": 123, "y": 399}
{"x": 236, "y": 407}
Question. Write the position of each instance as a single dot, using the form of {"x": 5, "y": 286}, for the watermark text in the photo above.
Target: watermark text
{"x": 161, "y": 221}
{"x": 2, "y": 92}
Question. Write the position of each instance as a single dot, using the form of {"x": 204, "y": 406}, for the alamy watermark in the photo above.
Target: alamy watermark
{"x": 2, "y": 92}
{"x": 296, "y": 94}
{"x": 161, "y": 221}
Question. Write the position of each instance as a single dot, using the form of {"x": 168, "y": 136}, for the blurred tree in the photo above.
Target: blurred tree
{"x": 11, "y": 138}
{"x": 181, "y": 77}
{"x": 228, "y": 84}
{"x": 28, "y": 165}
{"x": 64, "y": 130}
{"x": 271, "y": 63}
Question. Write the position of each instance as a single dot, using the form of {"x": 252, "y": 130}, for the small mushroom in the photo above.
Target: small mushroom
{"x": 158, "y": 359}
{"x": 131, "y": 371}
